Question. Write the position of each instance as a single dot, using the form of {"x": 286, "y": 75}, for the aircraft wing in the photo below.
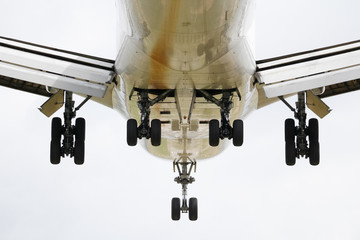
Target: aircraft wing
{"x": 34, "y": 68}
{"x": 335, "y": 68}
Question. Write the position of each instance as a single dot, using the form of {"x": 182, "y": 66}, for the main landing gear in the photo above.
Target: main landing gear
{"x": 301, "y": 140}
{"x": 217, "y": 132}
{"x": 184, "y": 206}
{"x": 145, "y": 130}
{"x": 66, "y": 132}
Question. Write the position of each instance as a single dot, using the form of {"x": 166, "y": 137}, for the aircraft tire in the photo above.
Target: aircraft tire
{"x": 79, "y": 152}
{"x": 238, "y": 132}
{"x": 56, "y": 129}
{"x": 193, "y": 209}
{"x": 314, "y": 153}
{"x": 132, "y": 132}
{"x": 175, "y": 209}
{"x": 290, "y": 130}
{"x": 80, "y": 129}
{"x": 290, "y": 153}
{"x": 214, "y": 133}
{"x": 55, "y": 152}
{"x": 313, "y": 130}
{"x": 155, "y": 132}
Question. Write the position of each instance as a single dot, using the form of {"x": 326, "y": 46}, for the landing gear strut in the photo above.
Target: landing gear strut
{"x": 67, "y": 132}
{"x": 301, "y": 140}
{"x": 144, "y": 130}
{"x": 217, "y": 132}
{"x": 184, "y": 178}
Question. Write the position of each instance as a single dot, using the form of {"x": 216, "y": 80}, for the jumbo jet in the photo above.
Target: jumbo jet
{"x": 185, "y": 77}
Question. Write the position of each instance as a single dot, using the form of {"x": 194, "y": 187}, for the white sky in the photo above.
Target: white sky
{"x": 124, "y": 193}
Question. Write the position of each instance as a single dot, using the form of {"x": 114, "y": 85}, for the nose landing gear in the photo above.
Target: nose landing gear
{"x": 184, "y": 178}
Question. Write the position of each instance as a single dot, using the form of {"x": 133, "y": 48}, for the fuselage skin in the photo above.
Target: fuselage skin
{"x": 185, "y": 45}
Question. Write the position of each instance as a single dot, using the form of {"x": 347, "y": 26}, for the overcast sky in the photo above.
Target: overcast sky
{"x": 125, "y": 193}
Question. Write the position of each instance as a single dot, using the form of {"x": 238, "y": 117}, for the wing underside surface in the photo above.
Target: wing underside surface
{"x": 336, "y": 69}
{"x": 33, "y": 68}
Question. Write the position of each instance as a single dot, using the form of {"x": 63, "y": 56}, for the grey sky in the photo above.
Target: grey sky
{"x": 124, "y": 193}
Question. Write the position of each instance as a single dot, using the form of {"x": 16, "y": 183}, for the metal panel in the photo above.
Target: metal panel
{"x": 16, "y": 44}
{"x": 309, "y": 70}
{"x": 53, "y": 80}
{"x": 54, "y": 65}
{"x": 312, "y": 81}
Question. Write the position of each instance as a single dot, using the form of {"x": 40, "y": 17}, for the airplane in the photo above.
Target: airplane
{"x": 185, "y": 78}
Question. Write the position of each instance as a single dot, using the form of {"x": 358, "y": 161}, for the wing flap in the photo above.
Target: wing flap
{"x": 309, "y": 70}
{"x": 54, "y": 68}
{"x": 53, "y": 80}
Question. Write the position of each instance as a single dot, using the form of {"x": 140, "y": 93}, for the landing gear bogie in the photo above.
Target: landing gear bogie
{"x": 145, "y": 129}
{"x": 217, "y": 132}
{"x": 68, "y": 139}
{"x": 224, "y": 130}
{"x": 153, "y": 133}
{"x": 301, "y": 140}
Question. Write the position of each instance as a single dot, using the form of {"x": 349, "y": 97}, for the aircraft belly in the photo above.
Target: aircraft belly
{"x": 184, "y": 49}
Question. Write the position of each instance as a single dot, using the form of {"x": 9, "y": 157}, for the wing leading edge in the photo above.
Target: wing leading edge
{"x": 335, "y": 68}
{"x": 33, "y": 68}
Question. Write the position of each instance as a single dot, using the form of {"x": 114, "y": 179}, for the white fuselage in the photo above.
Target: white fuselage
{"x": 186, "y": 45}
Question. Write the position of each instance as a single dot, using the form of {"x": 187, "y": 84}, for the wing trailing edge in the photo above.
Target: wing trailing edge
{"x": 335, "y": 68}
{"x": 32, "y": 68}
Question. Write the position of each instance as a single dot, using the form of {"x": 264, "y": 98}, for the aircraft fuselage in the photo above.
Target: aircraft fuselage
{"x": 186, "y": 45}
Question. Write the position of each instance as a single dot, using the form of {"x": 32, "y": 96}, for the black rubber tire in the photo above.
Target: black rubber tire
{"x": 132, "y": 132}
{"x": 56, "y": 129}
{"x": 55, "y": 152}
{"x": 214, "y": 133}
{"x": 80, "y": 129}
{"x": 193, "y": 209}
{"x": 238, "y": 132}
{"x": 290, "y": 130}
{"x": 314, "y": 153}
{"x": 155, "y": 132}
{"x": 79, "y": 152}
{"x": 313, "y": 130}
{"x": 290, "y": 153}
{"x": 175, "y": 209}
